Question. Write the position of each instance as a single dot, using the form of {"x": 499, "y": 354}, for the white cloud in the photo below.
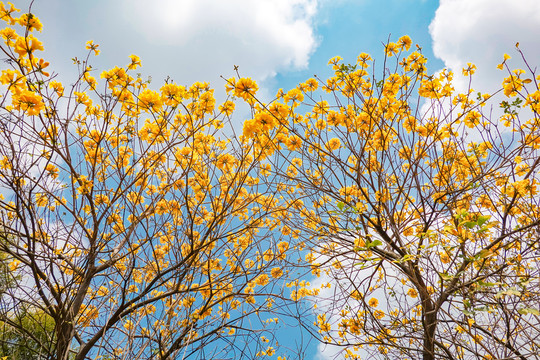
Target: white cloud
{"x": 198, "y": 40}
{"x": 480, "y": 32}
{"x": 186, "y": 40}
{"x": 343, "y": 280}
{"x": 331, "y": 298}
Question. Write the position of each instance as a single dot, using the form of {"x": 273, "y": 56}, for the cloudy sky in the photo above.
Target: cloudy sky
{"x": 282, "y": 42}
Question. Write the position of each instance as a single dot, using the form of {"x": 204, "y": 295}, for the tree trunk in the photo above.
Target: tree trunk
{"x": 429, "y": 321}
{"x": 64, "y": 332}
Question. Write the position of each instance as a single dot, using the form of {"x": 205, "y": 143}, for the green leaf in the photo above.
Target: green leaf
{"x": 482, "y": 308}
{"x": 340, "y": 205}
{"x": 526, "y": 311}
{"x": 511, "y": 291}
{"x": 361, "y": 264}
{"x": 483, "y": 219}
{"x": 483, "y": 254}
{"x": 373, "y": 243}
{"x": 407, "y": 257}
{"x": 488, "y": 284}
{"x": 445, "y": 276}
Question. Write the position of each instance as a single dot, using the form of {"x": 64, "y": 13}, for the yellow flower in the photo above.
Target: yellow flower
{"x": 27, "y": 45}
{"x": 29, "y": 102}
{"x": 265, "y": 121}
{"x": 13, "y": 265}
{"x": 283, "y": 246}
{"x": 373, "y": 302}
{"x": 262, "y": 280}
{"x": 501, "y": 65}
{"x": 82, "y": 98}
{"x": 85, "y": 185}
{"x": 41, "y": 199}
{"x": 477, "y": 338}
{"x": 357, "y": 295}
{"x": 245, "y": 88}
{"x": 90, "y": 80}
{"x": 116, "y": 76}
{"x": 276, "y": 272}
{"x": 405, "y": 152}
{"x": 135, "y": 62}
{"x": 391, "y": 49}
{"x": 150, "y": 100}
{"x": 5, "y": 163}
{"x": 335, "y": 60}
{"x": 128, "y": 325}
{"x": 321, "y": 107}
{"x": 172, "y": 94}
{"x": 333, "y": 144}
{"x": 227, "y": 108}
{"x": 102, "y": 291}
{"x": 285, "y": 230}
{"x": 405, "y": 42}
{"x": 92, "y": 47}
{"x": 5, "y": 14}
{"x": 412, "y": 293}
{"x": 30, "y": 22}
{"x": 161, "y": 207}
{"x": 225, "y": 162}
{"x": 52, "y": 170}
{"x": 293, "y": 142}
{"x": 57, "y": 87}
{"x": 268, "y": 255}
{"x": 295, "y": 96}
{"x": 250, "y": 128}
{"x": 135, "y": 198}
{"x": 9, "y": 35}
{"x": 88, "y": 313}
{"x": 469, "y": 70}
{"x": 444, "y": 257}
{"x": 311, "y": 84}
{"x": 362, "y": 59}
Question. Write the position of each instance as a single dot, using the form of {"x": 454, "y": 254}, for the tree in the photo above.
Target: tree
{"x": 421, "y": 206}
{"x": 26, "y": 333}
{"x": 140, "y": 229}
{"x": 24, "y": 329}
{"x": 137, "y": 226}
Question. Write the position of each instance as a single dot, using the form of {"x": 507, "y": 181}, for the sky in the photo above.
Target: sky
{"x": 280, "y": 43}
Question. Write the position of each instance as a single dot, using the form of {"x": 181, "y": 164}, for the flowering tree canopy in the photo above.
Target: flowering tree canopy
{"x": 421, "y": 206}
{"x": 128, "y": 216}
{"x": 136, "y": 223}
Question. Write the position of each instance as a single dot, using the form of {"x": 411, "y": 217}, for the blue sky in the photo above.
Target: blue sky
{"x": 280, "y": 43}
